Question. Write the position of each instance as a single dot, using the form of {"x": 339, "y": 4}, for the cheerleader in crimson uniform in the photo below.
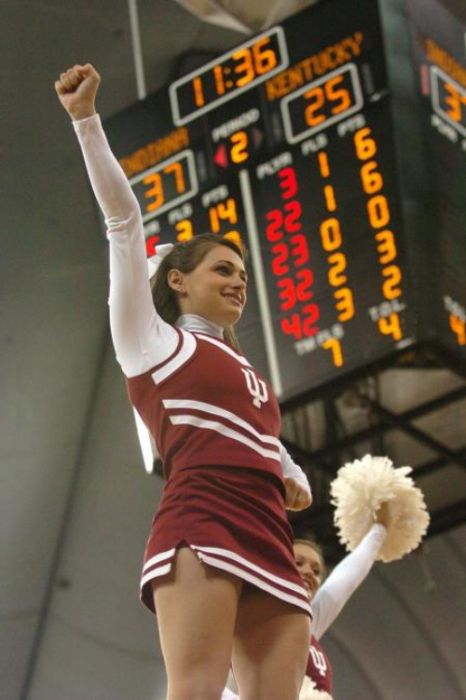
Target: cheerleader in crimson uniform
{"x": 328, "y": 599}
{"x": 380, "y": 515}
{"x": 219, "y": 557}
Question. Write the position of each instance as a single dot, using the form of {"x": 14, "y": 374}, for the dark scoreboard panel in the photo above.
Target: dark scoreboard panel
{"x": 285, "y": 143}
{"x": 438, "y": 31}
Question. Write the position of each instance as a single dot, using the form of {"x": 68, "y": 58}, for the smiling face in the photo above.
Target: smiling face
{"x": 215, "y": 289}
{"x": 310, "y": 565}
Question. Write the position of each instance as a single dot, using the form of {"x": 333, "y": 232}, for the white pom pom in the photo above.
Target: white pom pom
{"x": 357, "y": 493}
{"x": 310, "y": 692}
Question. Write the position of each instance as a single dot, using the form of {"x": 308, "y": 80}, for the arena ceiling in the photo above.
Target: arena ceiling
{"x": 75, "y": 501}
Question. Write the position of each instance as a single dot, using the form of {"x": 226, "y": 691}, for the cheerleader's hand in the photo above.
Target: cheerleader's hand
{"x": 76, "y": 90}
{"x": 298, "y": 496}
{"x": 297, "y": 487}
{"x": 382, "y": 515}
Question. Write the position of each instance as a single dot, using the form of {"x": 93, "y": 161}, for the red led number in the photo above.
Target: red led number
{"x": 291, "y": 293}
{"x": 151, "y": 243}
{"x": 288, "y": 183}
{"x": 302, "y": 325}
{"x": 290, "y": 252}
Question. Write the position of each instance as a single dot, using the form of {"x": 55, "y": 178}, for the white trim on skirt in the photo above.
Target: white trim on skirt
{"x": 239, "y": 566}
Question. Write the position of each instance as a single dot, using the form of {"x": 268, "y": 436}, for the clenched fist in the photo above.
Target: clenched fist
{"x": 297, "y": 496}
{"x": 76, "y": 90}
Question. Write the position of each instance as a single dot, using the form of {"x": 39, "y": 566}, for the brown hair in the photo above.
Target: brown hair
{"x": 186, "y": 257}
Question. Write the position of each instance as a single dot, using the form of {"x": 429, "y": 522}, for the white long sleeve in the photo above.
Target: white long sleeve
{"x": 140, "y": 337}
{"x": 292, "y": 470}
{"x": 344, "y": 579}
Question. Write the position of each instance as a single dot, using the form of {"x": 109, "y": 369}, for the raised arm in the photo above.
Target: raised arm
{"x": 140, "y": 337}
{"x": 345, "y": 579}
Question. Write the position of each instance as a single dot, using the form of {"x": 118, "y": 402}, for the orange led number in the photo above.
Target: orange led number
{"x": 199, "y": 98}
{"x": 331, "y": 237}
{"x": 330, "y": 234}
{"x": 341, "y": 96}
{"x": 390, "y": 287}
{"x": 340, "y": 100}
{"x": 239, "y": 149}
{"x": 366, "y": 147}
{"x": 330, "y": 201}
{"x": 386, "y": 246}
{"x": 317, "y": 97}
{"x": 372, "y": 180}
{"x": 265, "y": 59}
{"x": 155, "y": 192}
{"x": 324, "y": 167}
{"x": 219, "y": 83}
{"x": 344, "y": 303}
{"x": 223, "y": 211}
{"x": 329, "y": 192}
{"x": 378, "y": 213}
{"x": 334, "y": 345}
{"x": 458, "y": 326}
{"x": 184, "y": 230}
{"x": 176, "y": 169}
{"x": 390, "y": 325}
{"x": 454, "y": 102}
{"x": 244, "y": 65}
{"x": 337, "y": 262}
{"x": 155, "y": 183}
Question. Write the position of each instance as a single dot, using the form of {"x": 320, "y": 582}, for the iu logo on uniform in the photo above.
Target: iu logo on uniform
{"x": 256, "y": 387}
{"x": 319, "y": 660}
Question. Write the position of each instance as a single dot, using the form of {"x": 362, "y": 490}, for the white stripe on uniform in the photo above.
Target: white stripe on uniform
{"x": 198, "y": 422}
{"x": 242, "y": 360}
{"x": 248, "y": 564}
{"x": 239, "y": 566}
{"x": 185, "y": 352}
{"x": 218, "y": 411}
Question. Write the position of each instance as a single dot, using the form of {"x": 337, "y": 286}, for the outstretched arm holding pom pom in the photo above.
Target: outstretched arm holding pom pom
{"x": 380, "y": 515}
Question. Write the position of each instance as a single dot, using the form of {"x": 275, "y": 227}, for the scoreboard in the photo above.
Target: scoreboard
{"x": 285, "y": 143}
{"x": 438, "y": 36}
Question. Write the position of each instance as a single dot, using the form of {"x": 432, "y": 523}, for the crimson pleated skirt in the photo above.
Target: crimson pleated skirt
{"x": 232, "y": 518}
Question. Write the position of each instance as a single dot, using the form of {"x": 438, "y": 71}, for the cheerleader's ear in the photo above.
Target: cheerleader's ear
{"x": 176, "y": 281}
